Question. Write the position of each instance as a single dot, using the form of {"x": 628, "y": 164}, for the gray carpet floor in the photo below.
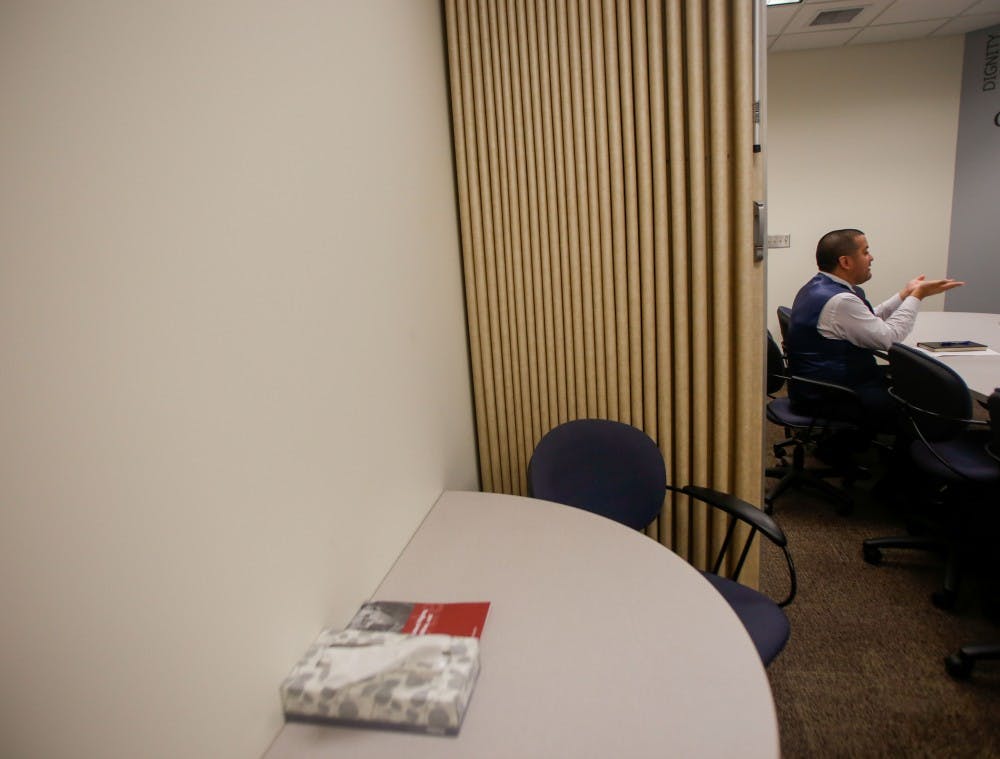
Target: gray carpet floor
{"x": 863, "y": 673}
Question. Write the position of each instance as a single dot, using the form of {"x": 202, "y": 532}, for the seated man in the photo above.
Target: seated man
{"x": 834, "y": 329}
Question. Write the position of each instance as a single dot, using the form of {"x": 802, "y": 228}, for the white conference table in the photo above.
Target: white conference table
{"x": 600, "y": 642}
{"x": 980, "y": 372}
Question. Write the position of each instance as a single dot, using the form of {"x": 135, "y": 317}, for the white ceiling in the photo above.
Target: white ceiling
{"x": 788, "y": 26}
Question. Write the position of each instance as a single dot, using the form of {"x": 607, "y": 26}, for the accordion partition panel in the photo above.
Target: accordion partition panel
{"x": 604, "y": 163}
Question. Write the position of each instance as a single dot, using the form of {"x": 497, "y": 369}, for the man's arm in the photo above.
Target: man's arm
{"x": 886, "y": 308}
{"x": 845, "y": 317}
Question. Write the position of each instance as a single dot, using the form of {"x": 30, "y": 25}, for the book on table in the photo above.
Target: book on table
{"x": 465, "y": 618}
{"x": 949, "y": 346}
{"x": 401, "y": 665}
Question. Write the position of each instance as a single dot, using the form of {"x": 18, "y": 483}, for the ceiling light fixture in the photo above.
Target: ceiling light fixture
{"x": 783, "y": 2}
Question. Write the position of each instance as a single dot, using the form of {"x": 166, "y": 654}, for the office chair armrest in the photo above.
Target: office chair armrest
{"x": 831, "y": 387}
{"x": 911, "y": 408}
{"x": 739, "y": 508}
{"x": 946, "y": 417}
{"x": 757, "y": 519}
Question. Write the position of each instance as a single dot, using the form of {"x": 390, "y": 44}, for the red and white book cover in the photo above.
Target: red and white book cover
{"x": 464, "y": 619}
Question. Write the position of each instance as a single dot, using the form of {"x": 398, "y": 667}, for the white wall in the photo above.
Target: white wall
{"x": 234, "y": 365}
{"x": 863, "y": 137}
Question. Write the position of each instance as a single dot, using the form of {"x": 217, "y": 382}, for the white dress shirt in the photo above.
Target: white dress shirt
{"x": 846, "y": 317}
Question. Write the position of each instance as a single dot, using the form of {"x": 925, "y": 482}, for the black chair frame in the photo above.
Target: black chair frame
{"x": 927, "y": 426}
{"x": 758, "y": 521}
{"x": 913, "y": 410}
{"x": 959, "y": 665}
{"x": 800, "y": 438}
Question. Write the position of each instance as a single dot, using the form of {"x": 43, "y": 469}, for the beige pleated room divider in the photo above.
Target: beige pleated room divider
{"x": 604, "y": 153}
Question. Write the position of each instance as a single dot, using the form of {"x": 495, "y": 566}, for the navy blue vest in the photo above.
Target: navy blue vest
{"x": 817, "y": 357}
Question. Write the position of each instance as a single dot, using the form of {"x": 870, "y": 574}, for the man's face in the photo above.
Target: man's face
{"x": 858, "y": 264}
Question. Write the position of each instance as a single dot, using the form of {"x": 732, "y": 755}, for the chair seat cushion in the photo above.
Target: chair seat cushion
{"x": 779, "y": 411}
{"x": 763, "y": 618}
{"x": 966, "y": 454}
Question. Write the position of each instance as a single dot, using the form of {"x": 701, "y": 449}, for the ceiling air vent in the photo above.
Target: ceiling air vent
{"x": 842, "y": 16}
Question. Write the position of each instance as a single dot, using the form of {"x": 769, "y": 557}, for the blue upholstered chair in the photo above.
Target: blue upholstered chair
{"x": 959, "y": 665}
{"x": 947, "y": 448}
{"x": 617, "y": 471}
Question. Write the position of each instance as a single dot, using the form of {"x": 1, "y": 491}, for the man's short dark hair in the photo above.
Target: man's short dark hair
{"x": 833, "y": 245}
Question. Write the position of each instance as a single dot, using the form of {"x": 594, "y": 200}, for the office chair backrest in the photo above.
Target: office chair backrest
{"x": 784, "y": 319}
{"x": 993, "y": 404}
{"x": 925, "y": 385}
{"x": 617, "y": 471}
{"x": 598, "y": 465}
{"x": 775, "y": 366}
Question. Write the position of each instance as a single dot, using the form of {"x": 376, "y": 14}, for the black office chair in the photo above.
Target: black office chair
{"x": 959, "y": 665}
{"x": 803, "y": 433}
{"x": 617, "y": 471}
{"x": 948, "y": 448}
{"x": 784, "y": 319}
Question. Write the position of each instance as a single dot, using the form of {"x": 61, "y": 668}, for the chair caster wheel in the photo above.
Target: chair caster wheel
{"x": 958, "y": 666}
{"x": 872, "y": 555}
{"x": 943, "y": 599}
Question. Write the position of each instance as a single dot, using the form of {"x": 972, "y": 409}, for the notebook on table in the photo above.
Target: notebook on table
{"x": 951, "y": 346}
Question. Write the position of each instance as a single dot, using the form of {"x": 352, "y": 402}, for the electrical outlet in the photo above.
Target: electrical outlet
{"x": 779, "y": 241}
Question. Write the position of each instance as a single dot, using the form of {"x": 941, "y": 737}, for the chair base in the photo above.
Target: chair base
{"x": 946, "y": 596}
{"x": 959, "y": 665}
{"x": 795, "y": 477}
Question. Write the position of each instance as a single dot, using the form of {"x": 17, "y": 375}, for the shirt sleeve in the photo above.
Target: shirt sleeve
{"x": 845, "y": 317}
{"x": 884, "y": 309}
